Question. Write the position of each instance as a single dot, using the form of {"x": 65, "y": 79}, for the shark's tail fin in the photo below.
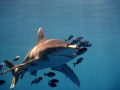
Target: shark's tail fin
{"x": 14, "y": 73}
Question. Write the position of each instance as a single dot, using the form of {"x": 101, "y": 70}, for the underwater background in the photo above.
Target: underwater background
{"x": 97, "y": 21}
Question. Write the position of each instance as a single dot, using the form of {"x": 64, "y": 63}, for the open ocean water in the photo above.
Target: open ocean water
{"x": 97, "y": 21}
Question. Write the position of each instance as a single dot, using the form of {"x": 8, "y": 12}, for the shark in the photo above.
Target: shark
{"x": 51, "y": 53}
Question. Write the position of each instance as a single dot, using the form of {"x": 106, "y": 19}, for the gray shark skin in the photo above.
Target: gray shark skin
{"x": 50, "y": 53}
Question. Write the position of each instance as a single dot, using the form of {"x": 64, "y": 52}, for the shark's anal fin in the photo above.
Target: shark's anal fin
{"x": 40, "y": 36}
{"x": 65, "y": 69}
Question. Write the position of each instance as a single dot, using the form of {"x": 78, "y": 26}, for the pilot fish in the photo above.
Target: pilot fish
{"x": 78, "y": 61}
{"x": 2, "y": 82}
{"x": 54, "y": 81}
{"x": 84, "y": 44}
{"x": 16, "y": 58}
{"x": 1, "y": 66}
{"x": 50, "y": 74}
{"x": 69, "y": 38}
{"x": 52, "y": 84}
{"x": 75, "y": 41}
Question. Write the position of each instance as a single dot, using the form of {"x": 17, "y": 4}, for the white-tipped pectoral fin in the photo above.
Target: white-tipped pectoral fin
{"x": 65, "y": 69}
{"x": 72, "y": 46}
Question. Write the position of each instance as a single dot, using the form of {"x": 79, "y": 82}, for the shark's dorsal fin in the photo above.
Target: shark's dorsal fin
{"x": 40, "y": 36}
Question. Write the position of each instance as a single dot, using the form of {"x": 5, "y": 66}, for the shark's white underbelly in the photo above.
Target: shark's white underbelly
{"x": 42, "y": 64}
{"x": 54, "y": 59}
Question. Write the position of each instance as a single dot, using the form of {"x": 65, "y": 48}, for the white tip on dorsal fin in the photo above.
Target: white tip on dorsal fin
{"x": 40, "y": 36}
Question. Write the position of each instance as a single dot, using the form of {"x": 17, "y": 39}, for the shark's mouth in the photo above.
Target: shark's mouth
{"x": 66, "y": 56}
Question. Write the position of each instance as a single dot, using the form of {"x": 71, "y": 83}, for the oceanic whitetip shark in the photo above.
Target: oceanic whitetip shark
{"x": 51, "y": 53}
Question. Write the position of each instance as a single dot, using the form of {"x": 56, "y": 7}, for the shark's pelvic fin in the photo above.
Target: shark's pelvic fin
{"x": 65, "y": 69}
{"x": 40, "y": 36}
{"x": 14, "y": 73}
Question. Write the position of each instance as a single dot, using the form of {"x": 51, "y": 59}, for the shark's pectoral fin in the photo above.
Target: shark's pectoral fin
{"x": 65, "y": 69}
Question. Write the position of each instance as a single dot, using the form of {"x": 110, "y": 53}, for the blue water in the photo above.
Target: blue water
{"x": 98, "y": 21}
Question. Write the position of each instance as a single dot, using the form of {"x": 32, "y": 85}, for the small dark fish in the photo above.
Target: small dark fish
{"x": 79, "y": 38}
{"x": 84, "y": 44}
{"x": 50, "y": 74}
{"x": 69, "y": 38}
{"x": 33, "y": 82}
{"x": 34, "y": 73}
{"x": 52, "y": 84}
{"x": 2, "y": 82}
{"x": 1, "y": 66}
{"x": 38, "y": 80}
{"x": 54, "y": 81}
{"x": 17, "y": 58}
{"x": 75, "y": 41}
{"x": 78, "y": 61}
{"x": 21, "y": 76}
{"x": 81, "y": 51}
